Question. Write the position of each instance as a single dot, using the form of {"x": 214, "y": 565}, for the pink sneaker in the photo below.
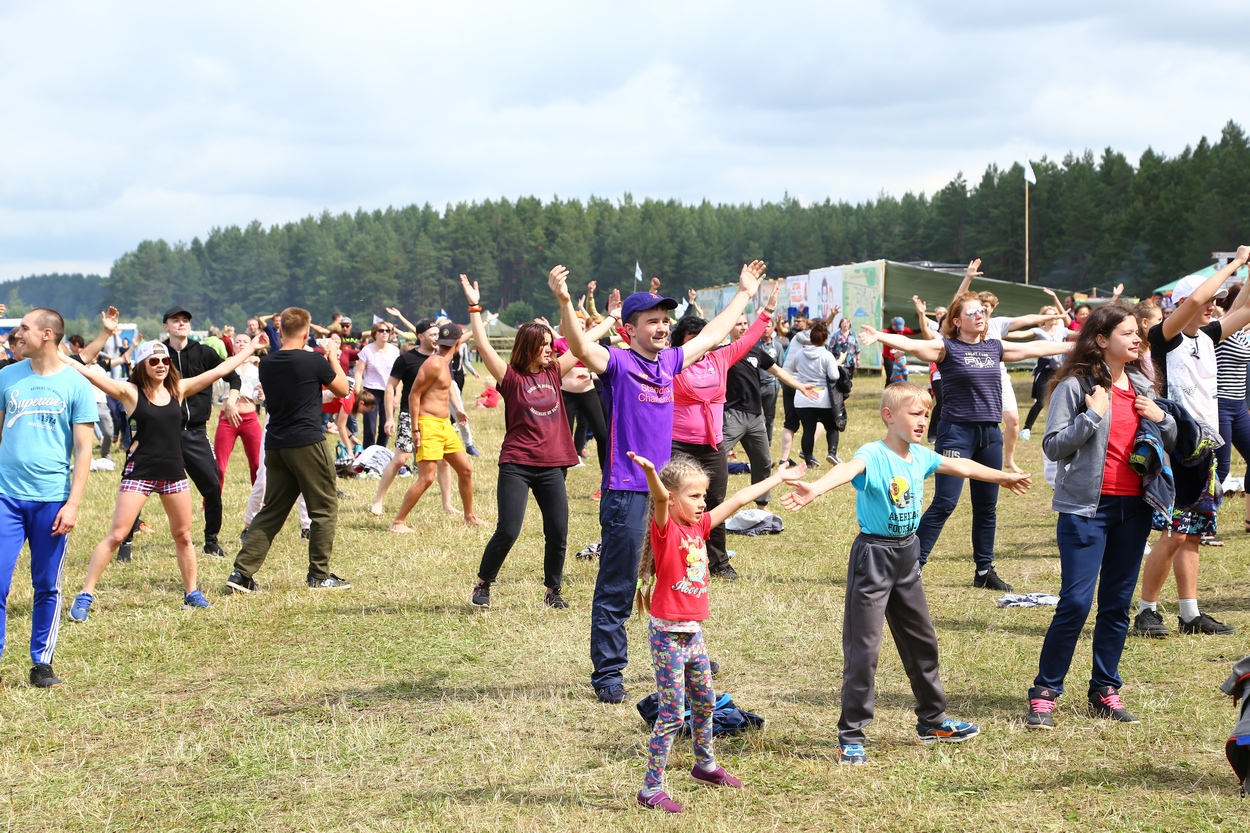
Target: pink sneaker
{"x": 660, "y": 801}
{"x": 717, "y": 777}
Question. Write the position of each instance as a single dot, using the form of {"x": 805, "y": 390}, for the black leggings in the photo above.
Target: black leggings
{"x": 201, "y": 466}
{"x": 1040, "y": 380}
{"x": 515, "y": 484}
{"x": 937, "y": 409}
{"x": 808, "y": 417}
{"x": 588, "y": 406}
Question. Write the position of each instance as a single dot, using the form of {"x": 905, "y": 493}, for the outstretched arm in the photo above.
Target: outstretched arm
{"x": 1238, "y": 314}
{"x": 933, "y": 350}
{"x": 495, "y": 366}
{"x": 122, "y": 391}
{"x": 716, "y": 330}
{"x": 108, "y": 326}
{"x": 1018, "y": 351}
{"x": 725, "y": 511}
{"x": 922, "y": 310}
{"x": 659, "y": 493}
{"x": 960, "y": 467}
{"x": 1184, "y": 314}
{"x": 395, "y": 312}
{"x": 590, "y": 353}
{"x": 839, "y": 475}
{"x": 197, "y": 383}
{"x": 1034, "y": 320}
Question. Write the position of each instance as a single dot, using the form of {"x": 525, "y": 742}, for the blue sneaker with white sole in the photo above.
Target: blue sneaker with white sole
{"x": 950, "y": 731}
{"x": 82, "y": 605}
{"x": 194, "y": 599}
{"x": 852, "y": 753}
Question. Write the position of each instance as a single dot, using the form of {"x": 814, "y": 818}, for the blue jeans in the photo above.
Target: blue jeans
{"x": 31, "y": 520}
{"x": 1235, "y": 431}
{"x": 1105, "y": 549}
{"x": 623, "y": 519}
{"x": 981, "y": 442}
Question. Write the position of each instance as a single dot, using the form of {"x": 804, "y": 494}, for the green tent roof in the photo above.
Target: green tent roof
{"x": 1205, "y": 273}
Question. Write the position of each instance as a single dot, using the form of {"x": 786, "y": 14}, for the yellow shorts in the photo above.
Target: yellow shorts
{"x": 438, "y": 438}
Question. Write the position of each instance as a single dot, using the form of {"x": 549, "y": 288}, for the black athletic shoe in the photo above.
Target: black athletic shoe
{"x": 123, "y": 553}
{"x": 305, "y": 534}
{"x": 1041, "y": 709}
{"x": 239, "y": 583}
{"x": 1149, "y": 623}
{"x": 243, "y": 535}
{"x": 481, "y": 594}
{"x": 991, "y": 581}
{"x": 330, "y": 582}
{"x": 612, "y": 694}
{"x": 1105, "y": 701}
{"x": 41, "y": 676}
{"x": 728, "y": 573}
{"x": 552, "y": 599}
{"x": 211, "y": 547}
{"x": 1204, "y": 624}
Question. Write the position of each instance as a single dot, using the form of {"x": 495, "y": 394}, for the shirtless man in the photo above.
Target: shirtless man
{"x": 433, "y": 435}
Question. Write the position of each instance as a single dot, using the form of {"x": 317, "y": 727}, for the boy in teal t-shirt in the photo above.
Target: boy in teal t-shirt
{"x": 883, "y": 574}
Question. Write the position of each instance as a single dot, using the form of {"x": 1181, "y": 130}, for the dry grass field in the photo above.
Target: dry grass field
{"x": 397, "y": 706}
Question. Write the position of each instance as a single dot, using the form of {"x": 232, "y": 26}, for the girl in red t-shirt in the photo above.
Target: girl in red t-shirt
{"x": 674, "y": 558}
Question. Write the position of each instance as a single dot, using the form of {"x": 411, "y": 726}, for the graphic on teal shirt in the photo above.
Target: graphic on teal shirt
{"x": 891, "y": 489}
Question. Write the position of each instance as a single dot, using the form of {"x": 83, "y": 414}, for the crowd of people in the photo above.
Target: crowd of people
{"x": 1142, "y": 407}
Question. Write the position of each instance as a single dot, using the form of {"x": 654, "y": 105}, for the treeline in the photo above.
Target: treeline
{"x": 1095, "y": 221}
{"x": 74, "y": 296}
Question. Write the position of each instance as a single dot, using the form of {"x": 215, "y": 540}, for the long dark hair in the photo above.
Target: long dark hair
{"x": 527, "y": 349}
{"x": 1085, "y": 360}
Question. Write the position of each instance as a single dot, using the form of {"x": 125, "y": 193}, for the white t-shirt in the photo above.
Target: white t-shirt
{"x": 378, "y": 364}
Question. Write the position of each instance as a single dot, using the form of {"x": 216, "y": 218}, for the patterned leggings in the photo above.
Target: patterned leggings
{"x": 681, "y": 666}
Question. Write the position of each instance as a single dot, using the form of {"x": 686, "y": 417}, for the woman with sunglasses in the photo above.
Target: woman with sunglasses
{"x": 972, "y": 408}
{"x": 373, "y": 368}
{"x": 153, "y": 401}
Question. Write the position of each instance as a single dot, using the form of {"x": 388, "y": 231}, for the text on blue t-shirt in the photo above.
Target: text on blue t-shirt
{"x": 891, "y": 489}
{"x": 37, "y": 446}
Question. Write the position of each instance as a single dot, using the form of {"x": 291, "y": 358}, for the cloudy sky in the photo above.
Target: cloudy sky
{"x": 121, "y": 121}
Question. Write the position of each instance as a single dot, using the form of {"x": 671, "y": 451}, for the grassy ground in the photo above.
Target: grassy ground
{"x": 396, "y": 706}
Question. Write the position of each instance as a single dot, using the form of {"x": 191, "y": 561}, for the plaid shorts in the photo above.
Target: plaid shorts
{"x": 147, "y": 487}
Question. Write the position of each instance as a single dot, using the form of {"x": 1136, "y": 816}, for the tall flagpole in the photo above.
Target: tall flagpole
{"x": 1026, "y": 232}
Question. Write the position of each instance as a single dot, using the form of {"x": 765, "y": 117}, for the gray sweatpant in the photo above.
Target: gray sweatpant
{"x": 753, "y": 434}
{"x": 883, "y": 585}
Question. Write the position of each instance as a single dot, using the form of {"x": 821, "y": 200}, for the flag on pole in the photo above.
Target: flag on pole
{"x": 377, "y": 320}
{"x": 1029, "y": 176}
{"x": 637, "y": 272}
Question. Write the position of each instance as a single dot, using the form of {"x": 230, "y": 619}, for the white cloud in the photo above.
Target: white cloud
{"x": 125, "y": 121}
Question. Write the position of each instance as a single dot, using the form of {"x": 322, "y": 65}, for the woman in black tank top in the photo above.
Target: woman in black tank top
{"x": 972, "y": 407}
{"x": 153, "y": 401}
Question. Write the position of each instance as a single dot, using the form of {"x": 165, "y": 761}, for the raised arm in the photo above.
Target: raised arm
{"x": 108, "y": 326}
{"x": 495, "y": 366}
{"x": 1018, "y": 351}
{"x": 659, "y": 493}
{"x": 931, "y": 350}
{"x": 1184, "y": 314}
{"x": 613, "y": 317}
{"x": 973, "y": 271}
{"x": 197, "y": 383}
{"x": 716, "y": 330}
{"x": 1063, "y": 312}
{"x": 839, "y": 475}
{"x": 922, "y": 310}
{"x": 723, "y": 512}
{"x": 1238, "y": 315}
{"x": 395, "y": 312}
{"x": 590, "y": 353}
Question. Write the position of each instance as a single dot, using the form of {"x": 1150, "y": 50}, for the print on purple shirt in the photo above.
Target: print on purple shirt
{"x": 640, "y": 401}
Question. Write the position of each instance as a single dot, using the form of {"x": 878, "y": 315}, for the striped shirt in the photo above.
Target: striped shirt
{"x": 1231, "y": 357}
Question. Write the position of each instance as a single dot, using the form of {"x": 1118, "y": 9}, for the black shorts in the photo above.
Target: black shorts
{"x": 792, "y": 413}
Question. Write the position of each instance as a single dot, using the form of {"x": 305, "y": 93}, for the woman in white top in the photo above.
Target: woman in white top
{"x": 373, "y": 368}
{"x": 248, "y": 427}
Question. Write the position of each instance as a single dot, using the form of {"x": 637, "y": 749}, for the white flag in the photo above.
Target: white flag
{"x": 1029, "y": 176}
{"x": 637, "y": 272}
{"x": 377, "y": 320}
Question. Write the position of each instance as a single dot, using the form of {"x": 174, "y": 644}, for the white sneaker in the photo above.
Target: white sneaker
{"x": 1024, "y": 433}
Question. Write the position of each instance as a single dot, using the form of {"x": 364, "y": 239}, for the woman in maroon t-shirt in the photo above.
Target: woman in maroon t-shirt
{"x": 537, "y": 447}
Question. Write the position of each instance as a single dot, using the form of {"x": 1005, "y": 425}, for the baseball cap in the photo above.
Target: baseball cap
{"x": 449, "y": 334}
{"x": 899, "y": 323}
{"x": 640, "y": 301}
{"x": 423, "y": 325}
{"x": 148, "y": 349}
{"x": 175, "y": 311}
{"x": 1188, "y": 284}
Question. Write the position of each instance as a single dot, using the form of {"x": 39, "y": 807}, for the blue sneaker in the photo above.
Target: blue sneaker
{"x": 951, "y": 731}
{"x": 194, "y": 599}
{"x": 852, "y": 753}
{"x": 82, "y": 604}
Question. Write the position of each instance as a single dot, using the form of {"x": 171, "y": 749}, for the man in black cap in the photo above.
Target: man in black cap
{"x": 192, "y": 358}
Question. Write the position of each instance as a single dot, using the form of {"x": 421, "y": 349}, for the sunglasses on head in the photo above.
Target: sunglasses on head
{"x": 157, "y": 361}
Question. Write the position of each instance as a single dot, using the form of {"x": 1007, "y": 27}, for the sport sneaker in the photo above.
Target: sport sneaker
{"x": 211, "y": 547}
{"x": 82, "y": 604}
{"x": 833, "y": 459}
{"x": 728, "y": 573}
{"x": 950, "y": 731}
{"x": 41, "y": 676}
{"x": 1204, "y": 624}
{"x": 1025, "y": 434}
{"x": 852, "y": 753}
{"x": 1149, "y": 623}
{"x": 472, "y": 451}
{"x": 123, "y": 553}
{"x": 597, "y": 494}
{"x": 240, "y": 583}
{"x": 612, "y": 694}
{"x": 1105, "y": 701}
{"x": 330, "y": 582}
{"x": 991, "y": 581}
{"x": 717, "y": 777}
{"x": 143, "y": 526}
{"x": 552, "y": 599}
{"x": 1041, "y": 709}
{"x": 481, "y": 594}
{"x": 660, "y": 801}
{"x": 713, "y": 667}
{"x": 194, "y": 599}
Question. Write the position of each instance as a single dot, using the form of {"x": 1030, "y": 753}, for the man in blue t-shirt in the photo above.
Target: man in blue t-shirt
{"x": 47, "y": 414}
{"x": 883, "y": 575}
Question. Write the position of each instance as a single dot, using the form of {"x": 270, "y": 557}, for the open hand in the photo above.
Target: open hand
{"x": 392, "y": 311}
{"x": 809, "y": 391}
{"x": 557, "y": 282}
{"x": 750, "y": 277}
{"x": 109, "y": 320}
{"x": 1017, "y": 482}
{"x": 974, "y": 269}
{"x": 1118, "y": 291}
{"x": 614, "y": 305}
{"x": 643, "y": 462}
{"x": 921, "y": 306}
{"x": 772, "y": 297}
{"x": 471, "y": 293}
{"x": 790, "y": 474}
{"x": 803, "y": 494}
{"x": 868, "y": 334}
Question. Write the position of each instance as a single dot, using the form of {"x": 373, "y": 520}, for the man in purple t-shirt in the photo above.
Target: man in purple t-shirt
{"x": 638, "y": 383}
